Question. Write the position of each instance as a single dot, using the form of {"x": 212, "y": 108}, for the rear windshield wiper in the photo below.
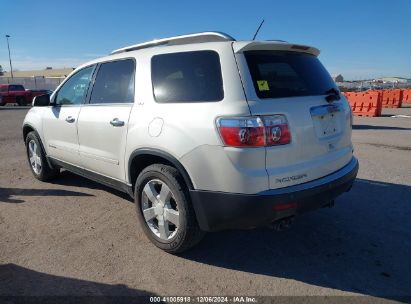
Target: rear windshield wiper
{"x": 332, "y": 94}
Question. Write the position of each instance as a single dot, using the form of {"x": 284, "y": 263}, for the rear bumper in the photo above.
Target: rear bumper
{"x": 220, "y": 210}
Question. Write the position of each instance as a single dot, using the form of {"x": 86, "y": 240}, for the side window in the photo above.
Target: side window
{"x": 74, "y": 91}
{"x": 15, "y": 88}
{"x": 114, "y": 83}
{"x": 187, "y": 77}
{"x": 3, "y": 89}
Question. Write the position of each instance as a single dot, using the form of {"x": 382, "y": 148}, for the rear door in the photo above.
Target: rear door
{"x": 103, "y": 121}
{"x": 295, "y": 84}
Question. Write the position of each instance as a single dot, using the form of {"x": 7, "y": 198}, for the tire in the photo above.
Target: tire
{"x": 37, "y": 159}
{"x": 179, "y": 234}
{"x": 21, "y": 101}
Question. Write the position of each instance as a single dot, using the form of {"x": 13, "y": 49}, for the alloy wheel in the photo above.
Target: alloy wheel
{"x": 34, "y": 157}
{"x": 160, "y": 209}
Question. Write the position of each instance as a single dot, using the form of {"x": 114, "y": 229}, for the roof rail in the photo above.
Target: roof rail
{"x": 183, "y": 39}
{"x": 276, "y": 40}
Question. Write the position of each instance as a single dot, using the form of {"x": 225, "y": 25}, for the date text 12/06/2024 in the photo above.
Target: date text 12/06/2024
{"x": 203, "y": 299}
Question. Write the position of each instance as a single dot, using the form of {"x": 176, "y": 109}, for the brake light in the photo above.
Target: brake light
{"x": 281, "y": 207}
{"x": 242, "y": 132}
{"x": 277, "y": 131}
{"x": 254, "y": 131}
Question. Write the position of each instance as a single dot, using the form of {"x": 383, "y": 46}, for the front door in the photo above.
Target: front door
{"x": 60, "y": 118}
{"x": 103, "y": 121}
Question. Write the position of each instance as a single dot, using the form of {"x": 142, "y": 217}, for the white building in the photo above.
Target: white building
{"x": 393, "y": 80}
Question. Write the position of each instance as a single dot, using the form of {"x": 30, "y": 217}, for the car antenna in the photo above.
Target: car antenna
{"x": 255, "y": 35}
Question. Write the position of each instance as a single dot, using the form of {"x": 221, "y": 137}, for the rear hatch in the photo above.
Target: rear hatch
{"x": 289, "y": 80}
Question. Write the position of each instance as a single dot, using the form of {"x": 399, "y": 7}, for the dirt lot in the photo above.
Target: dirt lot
{"x": 76, "y": 237}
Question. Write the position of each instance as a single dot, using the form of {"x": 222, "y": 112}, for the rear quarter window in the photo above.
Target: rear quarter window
{"x": 187, "y": 77}
{"x": 278, "y": 74}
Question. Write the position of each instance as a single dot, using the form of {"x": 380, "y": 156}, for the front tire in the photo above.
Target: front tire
{"x": 37, "y": 159}
{"x": 164, "y": 209}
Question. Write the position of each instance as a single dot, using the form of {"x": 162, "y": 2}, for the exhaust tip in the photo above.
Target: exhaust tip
{"x": 330, "y": 204}
{"x": 282, "y": 224}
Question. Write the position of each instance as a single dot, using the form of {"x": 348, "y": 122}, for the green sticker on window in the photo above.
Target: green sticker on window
{"x": 263, "y": 85}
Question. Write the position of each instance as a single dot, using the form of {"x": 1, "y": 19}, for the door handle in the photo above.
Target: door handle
{"x": 70, "y": 119}
{"x": 115, "y": 122}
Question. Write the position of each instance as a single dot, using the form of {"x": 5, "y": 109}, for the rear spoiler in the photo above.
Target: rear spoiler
{"x": 242, "y": 46}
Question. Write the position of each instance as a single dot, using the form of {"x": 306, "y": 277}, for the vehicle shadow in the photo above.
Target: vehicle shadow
{"x": 19, "y": 283}
{"x": 369, "y": 127}
{"x": 361, "y": 245}
{"x": 6, "y": 194}
{"x": 66, "y": 178}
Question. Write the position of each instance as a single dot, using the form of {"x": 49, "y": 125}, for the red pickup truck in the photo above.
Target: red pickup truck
{"x": 16, "y": 93}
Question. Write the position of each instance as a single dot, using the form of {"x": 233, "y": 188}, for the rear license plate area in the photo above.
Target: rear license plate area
{"x": 326, "y": 120}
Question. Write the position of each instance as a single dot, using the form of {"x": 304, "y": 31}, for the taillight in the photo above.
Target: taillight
{"x": 254, "y": 131}
{"x": 242, "y": 132}
{"x": 277, "y": 131}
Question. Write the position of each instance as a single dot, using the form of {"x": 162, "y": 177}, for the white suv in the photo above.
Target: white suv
{"x": 205, "y": 132}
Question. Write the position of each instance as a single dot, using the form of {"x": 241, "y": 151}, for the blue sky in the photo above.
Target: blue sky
{"x": 359, "y": 39}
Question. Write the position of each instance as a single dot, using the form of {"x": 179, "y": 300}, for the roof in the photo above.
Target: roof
{"x": 178, "y": 40}
{"x": 46, "y": 73}
{"x": 197, "y": 38}
{"x": 238, "y": 46}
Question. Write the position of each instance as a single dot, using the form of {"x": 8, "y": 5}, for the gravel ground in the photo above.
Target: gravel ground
{"x": 76, "y": 237}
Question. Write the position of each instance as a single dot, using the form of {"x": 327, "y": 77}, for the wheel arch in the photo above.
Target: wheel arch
{"x": 143, "y": 157}
{"x": 27, "y": 128}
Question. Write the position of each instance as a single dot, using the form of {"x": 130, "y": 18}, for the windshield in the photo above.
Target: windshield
{"x": 278, "y": 74}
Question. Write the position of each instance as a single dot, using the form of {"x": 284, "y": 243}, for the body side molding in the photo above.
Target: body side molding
{"x": 105, "y": 180}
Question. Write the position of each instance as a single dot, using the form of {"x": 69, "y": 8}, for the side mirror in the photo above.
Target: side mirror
{"x": 41, "y": 101}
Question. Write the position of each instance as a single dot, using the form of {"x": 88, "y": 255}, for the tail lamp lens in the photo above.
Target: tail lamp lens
{"x": 254, "y": 131}
{"x": 277, "y": 131}
{"x": 242, "y": 132}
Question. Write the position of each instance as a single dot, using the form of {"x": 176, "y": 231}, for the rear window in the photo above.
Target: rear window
{"x": 187, "y": 77}
{"x": 278, "y": 74}
{"x": 16, "y": 88}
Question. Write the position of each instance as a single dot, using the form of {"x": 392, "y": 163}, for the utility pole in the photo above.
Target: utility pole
{"x": 8, "y": 46}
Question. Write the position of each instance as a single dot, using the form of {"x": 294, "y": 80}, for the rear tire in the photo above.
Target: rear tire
{"x": 37, "y": 159}
{"x": 21, "y": 101}
{"x": 164, "y": 209}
